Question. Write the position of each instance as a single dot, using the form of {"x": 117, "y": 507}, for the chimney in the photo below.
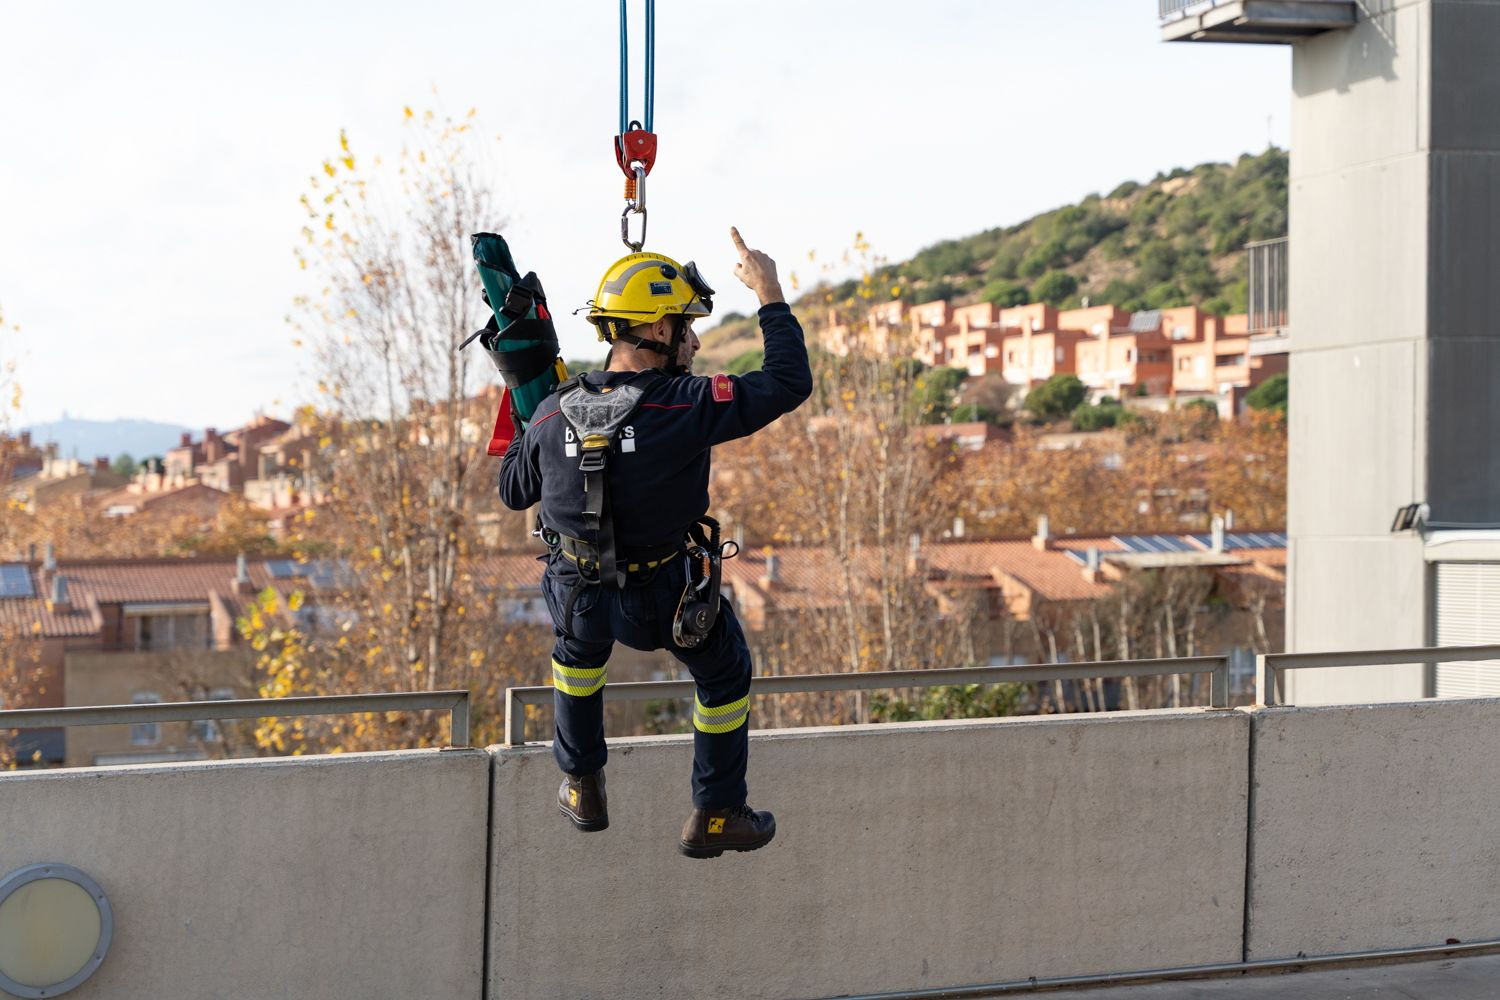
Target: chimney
{"x": 31, "y": 552}
{"x": 25, "y": 439}
{"x": 101, "y": 464}
{"x": 773, "y": 571}
{"x": 242, "y": 584}
{"x": 958, "y": 527}
{"x": 1218, "y": 534}
{"x": 1042, "y": 540}
{"x": 1229, "y": 520}
{"x": 915, "y": 564}
{"x": 1091, "y": 568}
{"x": 58, "y": 603}
{"x": 50, "y": 562}
{"x": 186, "y": 441}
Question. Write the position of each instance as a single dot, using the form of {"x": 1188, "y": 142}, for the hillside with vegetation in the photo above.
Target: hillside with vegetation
{"x": 1174, "y": 240}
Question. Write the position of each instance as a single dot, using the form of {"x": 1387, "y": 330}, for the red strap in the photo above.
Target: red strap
{"x": 505, "y": 426}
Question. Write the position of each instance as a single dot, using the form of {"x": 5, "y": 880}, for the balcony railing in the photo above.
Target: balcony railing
{"x": 1270, "y": 668}
{"x": 456, "y": 703}
{"x": 517, "y": 698}
{"x": 1268, "y": 286}
{"x": 1171, "y": 9}
{"x": 1266, "y": 21}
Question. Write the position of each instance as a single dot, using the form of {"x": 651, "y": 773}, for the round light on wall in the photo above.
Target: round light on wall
{"x": 55, "y": 926}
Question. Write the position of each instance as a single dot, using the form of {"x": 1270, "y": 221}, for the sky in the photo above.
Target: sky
{"x": 152, "y": 153}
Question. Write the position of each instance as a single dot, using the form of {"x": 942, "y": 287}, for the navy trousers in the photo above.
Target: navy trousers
{"x": 640, "y": 616}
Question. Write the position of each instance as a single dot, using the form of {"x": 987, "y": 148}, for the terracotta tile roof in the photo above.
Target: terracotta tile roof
{"x": 124, "y": 581}
{"x": 1052, "y": 574}
{"x": 806, "y": 578}
{"x": 93, "y": 582}
{"x": 29, "y": 616}
{"x": 510, "y": 571}
{"x": 193, "y": 494}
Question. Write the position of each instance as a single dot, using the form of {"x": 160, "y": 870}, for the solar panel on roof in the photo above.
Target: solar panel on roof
{"x": 1154, "y": 543}
{"x": 326, "y": 573}
{"x": 1246, "y": 540}
{"x": 280, "y": 569}
{"x": 15, "y": 581}
{"x": 1145, "y": 321}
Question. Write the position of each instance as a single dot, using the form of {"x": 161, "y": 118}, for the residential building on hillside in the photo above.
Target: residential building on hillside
{"x": 22, "y": 458}
{"x": 1132, "y": 360}
{"x": 58, "y": 479}
{"x": 1223, "y": 364}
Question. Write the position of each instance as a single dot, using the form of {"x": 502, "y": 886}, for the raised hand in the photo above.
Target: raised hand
{"x": 757, "y": 270}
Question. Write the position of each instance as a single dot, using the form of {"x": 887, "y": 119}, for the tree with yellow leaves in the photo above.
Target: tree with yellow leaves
{"x": 402, "y": 600}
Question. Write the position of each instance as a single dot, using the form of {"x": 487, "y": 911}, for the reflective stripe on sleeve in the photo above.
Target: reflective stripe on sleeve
{"x": 721, "y": 718}
{"x": 580, "y": 682}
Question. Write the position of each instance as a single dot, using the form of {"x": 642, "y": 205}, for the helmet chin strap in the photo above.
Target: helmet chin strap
{"x": 672, "y": 350}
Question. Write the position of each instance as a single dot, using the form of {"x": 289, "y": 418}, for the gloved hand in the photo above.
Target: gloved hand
{"x": 757, "y": 270}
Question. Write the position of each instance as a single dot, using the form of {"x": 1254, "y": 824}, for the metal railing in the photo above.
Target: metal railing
{"x": 1271, "y": 668}
{"x": 1172, "y": 9}
{"x": 517, "y": 698}
{"x": 1268, "y": 285}
{"x": 1169, "y": 9}
{"x": 456, "y": 703}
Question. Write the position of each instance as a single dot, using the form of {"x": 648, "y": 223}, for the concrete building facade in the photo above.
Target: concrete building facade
{"x": 1394, "y": 167}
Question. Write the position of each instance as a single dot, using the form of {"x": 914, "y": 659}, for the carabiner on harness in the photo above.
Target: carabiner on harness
{"x": 635, "y": 204}
{"x": 698, "y": 609}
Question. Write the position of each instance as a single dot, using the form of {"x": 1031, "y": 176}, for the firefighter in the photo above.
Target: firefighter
{"x": 619, "y": 460}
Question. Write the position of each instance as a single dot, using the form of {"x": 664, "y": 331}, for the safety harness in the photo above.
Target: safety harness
{"x": 593, "y": 420}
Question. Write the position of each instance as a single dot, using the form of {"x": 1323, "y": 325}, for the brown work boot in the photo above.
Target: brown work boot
{"x": 708, "y": 833}
{"x": 582, "y": 800}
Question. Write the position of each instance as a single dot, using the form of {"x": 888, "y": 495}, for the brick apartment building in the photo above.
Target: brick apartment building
{"x": 1170, "y": 353}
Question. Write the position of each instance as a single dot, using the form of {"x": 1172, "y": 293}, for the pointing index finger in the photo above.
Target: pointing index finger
{"x": 739, "y": 243}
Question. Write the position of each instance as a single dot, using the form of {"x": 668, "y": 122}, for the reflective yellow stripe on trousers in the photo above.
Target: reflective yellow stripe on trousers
{"x": 580, "y": 682}
{"x": 721, "y": 718}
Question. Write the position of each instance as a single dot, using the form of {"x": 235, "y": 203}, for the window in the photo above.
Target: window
{"x": 1060, "y": 354}
{"x": 145, "y": 734}
{"x": 169, "y": 631}
{"x": 1184, "y": 363}
{"x": 207, "y": 730}
{"x": 1229, "y": 360}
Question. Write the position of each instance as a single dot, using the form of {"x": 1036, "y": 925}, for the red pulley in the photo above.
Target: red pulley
{"x": 635, "y": 146}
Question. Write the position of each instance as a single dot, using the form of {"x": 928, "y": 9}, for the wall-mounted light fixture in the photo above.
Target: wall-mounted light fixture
{"x": 55, "y": 926}
{"x": 1413, "y": 515}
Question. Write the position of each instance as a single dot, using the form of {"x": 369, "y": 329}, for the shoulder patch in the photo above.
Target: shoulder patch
{"x": 723, "y": 388}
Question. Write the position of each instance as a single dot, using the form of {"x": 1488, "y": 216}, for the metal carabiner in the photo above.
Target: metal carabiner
{"x": 637, "y": 206}
{"x": 634, "y": 245}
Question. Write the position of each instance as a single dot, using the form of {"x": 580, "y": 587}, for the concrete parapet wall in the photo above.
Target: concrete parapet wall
{"x": 908, "y": 856}
{"x": 351, "y": 876}
{"x": 1374, "y": 826}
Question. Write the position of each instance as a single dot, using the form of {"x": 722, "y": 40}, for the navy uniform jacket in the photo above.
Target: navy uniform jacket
{"x": 658, "y": 468}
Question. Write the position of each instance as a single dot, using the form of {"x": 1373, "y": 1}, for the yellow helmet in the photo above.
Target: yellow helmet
{"x": 644, "y": 287}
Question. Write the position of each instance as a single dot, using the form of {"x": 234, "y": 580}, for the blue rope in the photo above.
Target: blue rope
{"x": 650, "y": 88}
{"x": 624, "y": 71}
{"x": 650, "y": 63}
